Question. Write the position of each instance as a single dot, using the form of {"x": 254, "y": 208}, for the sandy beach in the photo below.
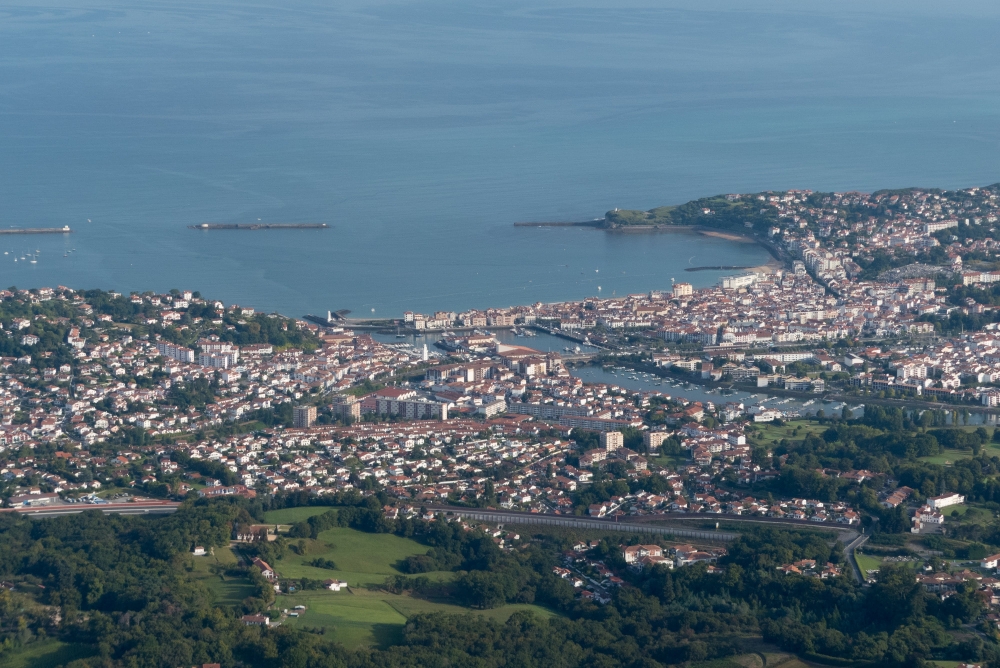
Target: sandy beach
{"x": 729, "y": 236}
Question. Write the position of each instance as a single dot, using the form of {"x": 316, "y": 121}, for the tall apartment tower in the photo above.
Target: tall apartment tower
{"x": 612, "y": 440}
{"x": 303, "y": 416}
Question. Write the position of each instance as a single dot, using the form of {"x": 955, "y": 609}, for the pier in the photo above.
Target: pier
{"x": 260, "y": 226}
{"x": 37, "y": 230}
{"x": 726, "y": 267}
{"x": 597, "y": 222}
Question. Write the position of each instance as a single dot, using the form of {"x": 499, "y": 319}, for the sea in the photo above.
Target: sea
{"x": 421, "y": 130}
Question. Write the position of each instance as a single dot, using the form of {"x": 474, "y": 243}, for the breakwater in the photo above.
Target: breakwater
{"x": 718, "y": 267}
{"x": 597, "y": 222}
{"x": 37, "y": 230}
{"x": 259, "y": 226}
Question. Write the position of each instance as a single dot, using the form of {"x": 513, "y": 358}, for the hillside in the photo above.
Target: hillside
{"x": 726, "y": 212}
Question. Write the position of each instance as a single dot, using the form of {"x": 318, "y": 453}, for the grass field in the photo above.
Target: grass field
{"x": 351, "y": 620}
{"x": 769, "y": 434}
{"x": 375, "y": 618}
{"x": 867, "y": 562}
{"x": 226, "y": 591}
{"x": 292, "y": 515}
{"x": 948, "y": 457}
{"x": 44, "y": 654}
{"x": 361, "y": 558}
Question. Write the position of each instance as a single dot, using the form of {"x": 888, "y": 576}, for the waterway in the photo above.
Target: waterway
{"x": 634, "y": 380}
{"x": 421, "y": 131}
{"x": 541, "y": 342}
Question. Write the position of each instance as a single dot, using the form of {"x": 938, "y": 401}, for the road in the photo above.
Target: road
{"x": 574, "y": 521}
{"x": 142, "y": 508}
{"x": 849, "y": 554}
{"x": 845, "y": 533}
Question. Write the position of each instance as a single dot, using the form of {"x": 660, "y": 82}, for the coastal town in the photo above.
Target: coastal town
{"x": 167, "y": 396}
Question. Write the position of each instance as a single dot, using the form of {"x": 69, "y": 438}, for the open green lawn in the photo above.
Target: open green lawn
{"x": 293, "y": 515}
{"x": 375, "y": 618}
{"x": 352, "y": 620}
{"x": 769, "y": 434}
{"x": 867, "y": 562}
{"x": 948, "y": 457}
{"x": 361, "y": 558}
{"x": 44, "y": 654}
{"x": 227, "y": 591}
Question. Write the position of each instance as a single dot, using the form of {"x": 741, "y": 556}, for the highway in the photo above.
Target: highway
{"x": 573, "y": 521}
{"x": 845, "y": 533}
{"x": 142, "y": 508}
{"x": 643, "y": 524}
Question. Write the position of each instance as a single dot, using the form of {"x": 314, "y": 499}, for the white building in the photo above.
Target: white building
{"x": 737, "y": 282}
{"x": 945, "y": 500}
{"x": 175, "y": 352}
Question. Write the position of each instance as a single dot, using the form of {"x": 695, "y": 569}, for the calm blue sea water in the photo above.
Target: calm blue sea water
{"x": 421, "y": 130}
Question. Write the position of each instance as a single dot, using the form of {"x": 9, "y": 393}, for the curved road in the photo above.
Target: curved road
{"x": 643, "y": 524}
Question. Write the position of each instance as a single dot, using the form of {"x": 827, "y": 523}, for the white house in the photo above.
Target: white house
{"x": 927, "y": 515}
{"x": 945, "y": 500}
{"x": 199, "y": 551}
{"x": 335, "y": 585}
{"x": 991, "y": 561}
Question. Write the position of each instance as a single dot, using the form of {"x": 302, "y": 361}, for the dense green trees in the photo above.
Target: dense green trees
{"x": 121, "y": 588}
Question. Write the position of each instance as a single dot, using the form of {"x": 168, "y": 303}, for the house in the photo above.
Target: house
{"x": 927, "y": 515}
{"x": 335, "y": 585}
{"x": 199, "y": 551}
{"x": 256, "y": 620}
{"x": 265, "y": 569}
{"x": 991, "y": 561}
{"x": 634, "y": 553}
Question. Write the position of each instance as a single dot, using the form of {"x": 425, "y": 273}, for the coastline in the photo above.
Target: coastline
{"x": 776, "y": 262}
{"x": 729, "y": 236}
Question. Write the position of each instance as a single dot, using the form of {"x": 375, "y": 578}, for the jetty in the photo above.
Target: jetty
{"x": 259, "y": 226}
{"x": 718, "y": 267}
{"x": 331, "y": 319}
{"x": 37, "y": 230}
{"x": 597, "y": 222}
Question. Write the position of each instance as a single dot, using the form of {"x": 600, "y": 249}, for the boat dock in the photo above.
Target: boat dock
{"x": 259, "y": 226}
{"x": 36, "y": 230}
